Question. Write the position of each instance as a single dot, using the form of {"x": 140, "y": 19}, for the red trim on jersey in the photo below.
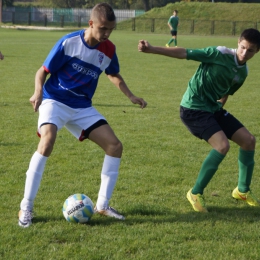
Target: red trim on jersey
{"x": 108, "y": 48}
{"x": 46, "y": 69}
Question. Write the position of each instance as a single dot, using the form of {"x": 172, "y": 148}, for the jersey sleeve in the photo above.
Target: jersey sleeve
{"x": 206, "y": 55}
{"x": 56, "y": 58}
{"x": 234, "y": 89}
{"x": 113, "y": 67}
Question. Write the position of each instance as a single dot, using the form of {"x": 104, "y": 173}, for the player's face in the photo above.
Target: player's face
{"x": 101, "y": 29}
{"x": 245, "y": 51}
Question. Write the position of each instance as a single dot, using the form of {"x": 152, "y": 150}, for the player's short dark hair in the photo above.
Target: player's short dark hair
{"x": 251, "y": 35}
{"x": 176, "y": 11}
{"x": 103, "y": 10}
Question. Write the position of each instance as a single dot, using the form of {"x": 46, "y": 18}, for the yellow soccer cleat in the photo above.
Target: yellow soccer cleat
{"x": 197, "y": 201}
{"x": 247, "y": 197}
{"x": 167, "y": 45}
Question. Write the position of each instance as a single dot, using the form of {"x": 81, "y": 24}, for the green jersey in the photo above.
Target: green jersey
{"x": 219, "y": 74}
{"x": 174, "y": 21}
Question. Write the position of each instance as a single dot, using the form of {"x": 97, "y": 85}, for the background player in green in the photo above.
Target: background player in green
{"x": 173, "y": 24}
{"x": 221, "y": 72}
{"x": 1, "y": 56}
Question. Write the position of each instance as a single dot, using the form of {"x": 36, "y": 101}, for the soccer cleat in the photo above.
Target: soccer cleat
{"x": 110, "y": 212}
{"x": 25, "y": 218}
{"x": 247, "y": 197}
{"x": 167, "y": 45}
{"x": 197, "y": 201}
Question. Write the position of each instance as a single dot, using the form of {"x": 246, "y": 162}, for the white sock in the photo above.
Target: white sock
{"x": 33, "y": 179}
{"x": 109, "y": 176}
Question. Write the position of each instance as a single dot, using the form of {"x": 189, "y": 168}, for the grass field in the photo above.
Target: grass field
{"x": 160, "y": 162}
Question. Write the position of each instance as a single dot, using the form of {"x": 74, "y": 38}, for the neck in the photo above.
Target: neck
{"x": 91, "y": 41}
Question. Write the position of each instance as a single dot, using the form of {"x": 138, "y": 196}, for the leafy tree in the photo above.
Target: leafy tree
{"x": 116, "y": 4}
{"x": 146, "y": 4}
{"x": 7, "y": 3}
{"x": 149, "y": 4}
{"x": 161, "y": 3}
{"x": 69, "y": 3}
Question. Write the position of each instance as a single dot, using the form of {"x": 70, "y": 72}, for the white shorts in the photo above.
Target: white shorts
{"x": 76, "y": 120}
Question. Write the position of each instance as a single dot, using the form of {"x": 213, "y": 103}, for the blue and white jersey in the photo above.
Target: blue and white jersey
{"x": 75, "y": 68}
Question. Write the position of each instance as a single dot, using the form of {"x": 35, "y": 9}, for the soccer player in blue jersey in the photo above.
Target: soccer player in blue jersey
{"x": 64, "y": 100}
{"x": 222, "y": 71}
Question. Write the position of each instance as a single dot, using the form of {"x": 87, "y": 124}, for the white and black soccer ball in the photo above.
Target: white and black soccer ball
{"x": 78, "y": 208}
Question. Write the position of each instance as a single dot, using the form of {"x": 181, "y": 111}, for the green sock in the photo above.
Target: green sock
{"x": 207, "y": 171}
{"x": 246, "y": 166}
{"x": 170, "y": 41}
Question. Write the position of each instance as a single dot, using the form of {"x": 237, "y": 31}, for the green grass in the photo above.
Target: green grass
{"x": 160, "y": 162}
{"x": 198, "y": 18}
{"x": 208, "y": 11}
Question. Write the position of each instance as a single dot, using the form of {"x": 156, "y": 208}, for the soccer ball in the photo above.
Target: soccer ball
{"x": 78, "y": 208}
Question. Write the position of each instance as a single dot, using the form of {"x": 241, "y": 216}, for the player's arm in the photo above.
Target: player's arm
{"x": 223, "y": 100}
{"x": 178, "y": 53}
{"x": 40, "y": 78}
{"x": 119, "y": 82}
{"x": 169, "y": 26}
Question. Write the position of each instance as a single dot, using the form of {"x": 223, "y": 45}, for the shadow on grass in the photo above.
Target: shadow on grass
{"x": 137, "y": 215}
{"x": 113, "y": 105}
{"x": 235, "y": 213}
{"x": 96, "y": 220}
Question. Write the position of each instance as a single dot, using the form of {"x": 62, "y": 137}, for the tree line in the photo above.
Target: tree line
{"x": 116, "y": 4}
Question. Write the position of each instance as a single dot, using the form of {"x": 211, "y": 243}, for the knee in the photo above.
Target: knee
{"x": 118, "y": 147}
{"x": 249, "y": 143}
{"x": 115, "y": 149}
{"x": 223, "y": 147}
{"x": 45, "y": 147}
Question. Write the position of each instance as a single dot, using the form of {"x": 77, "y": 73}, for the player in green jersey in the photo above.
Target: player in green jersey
{"x": 222, "y": 71}
{"x": 173, "y": 24}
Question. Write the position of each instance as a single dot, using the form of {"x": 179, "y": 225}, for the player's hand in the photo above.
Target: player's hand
{"x": 137, "y": 100}
{"x": 144, "y": 46}
{"x": 36, "y": 101}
